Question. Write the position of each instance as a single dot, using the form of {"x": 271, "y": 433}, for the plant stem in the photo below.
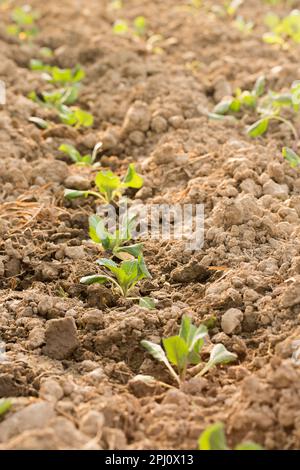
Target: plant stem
{"x": 98, "y": 195}
{"x": 204, "y": 370}
{"x": 288, "y": 123}
{"x": 173, "y": 373}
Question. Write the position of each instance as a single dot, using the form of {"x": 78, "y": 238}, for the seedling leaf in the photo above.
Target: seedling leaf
{"x": 155, "y": 350}
{"x": 220, "y": 355}
{"x": 291, "y": 156}
{"x": 176, "y": 350}
{"x": 147, "y": 302}
{"x": 213, "y": 438}
{"x": 258, "y": 128}
{"x": 74, "y": 193}
{"x": 248, "y": 445}
{"x": 5, "y": 405}
{"x": 71, "y": 151}
{"x": 259, "y": 87}
{"x": 132, "y": 179}
{"x": 95, "y": 278}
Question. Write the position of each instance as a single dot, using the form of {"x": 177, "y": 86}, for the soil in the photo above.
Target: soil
{"x": 72, "y": 351}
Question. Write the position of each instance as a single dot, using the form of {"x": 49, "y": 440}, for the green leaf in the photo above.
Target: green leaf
{"x": 271, "y": 20}
{"x": 220, "y": 355}
{"x": 93, "y": 222}
{"x": 248, "y": 445}
{"x": 291, "y": 156}
{"x": 46, "y": 52}
{"x": 95, "y": 279}
{"x": 39, "y": 122}
{"x": 83, "y": 118}
{"x": 220, "y": 117}
{"x": 185, "y": 326}
{"x": 108, "y": 263}
{"x": 248, "y": 99}
{"x": 5, "y": 405}
{"x": 235, "y": 105}
{"x": 65, "y": 76}
{"x": 156, "y": 351}
{"x": 258, "y": 128}
{"x": 273, "y": 38}
{"x": 24, "y": 16}
{"x": 75, "y": 117}
{"x": 142, "y": 268}
{"x": 176, "y": 351}
{"x": 223, "y": 107}
{"x": 71, "y": 151}
{"x": 213, "y": 438}
{"x": 128, "y": 274}
{"x": 107, "y": 182}
{"x": 191, "y": 334}
{"x": 70, "y": 95}
{"x": 36, "y": 64}
{"x": 140, "y": 25}
{"x": 134, "y": 250}
{"x": 74, "y": 193}
{"x": 120, "y": 27}
{"x": 105, "y": 237}
{"x": 259, "y": 87}
{"x": 132, "y": 179}
{"x": 147, "y": 302}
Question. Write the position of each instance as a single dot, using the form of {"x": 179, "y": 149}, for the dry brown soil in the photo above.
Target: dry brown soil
{"x": 71, "y": 351}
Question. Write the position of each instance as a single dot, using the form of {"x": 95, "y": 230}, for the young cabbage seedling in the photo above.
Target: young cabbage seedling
{"x": 213, "y": 438}
{"x": 55, "y": 98}
{"x": 110, "y": 186}
{"x": 138, "y": 28}
{"x": 290, "y": 156}
{"x": 23, "y": 22}
{"x": 115, "y": 242}
{"x": 234, "y": 104}
{"x": 77, "y": 158}
{"x": 123, "y": 277}
{"x": 75, "y": 116}
{"x": 184, "y": 350}
{"x": 281, "y": 30}
{"x": 57, "y": 75}
{"x": 271, "y": 107}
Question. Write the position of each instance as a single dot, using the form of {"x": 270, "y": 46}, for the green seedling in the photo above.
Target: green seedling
{"x": 77, "y": 158}
{"x": 213, "y": 438}
{"x": 184, "y": 350}
{"x": 120, "y": 27}
{"x": 57, "y": 75}
{"x": 115, "y": 4}
{"x": 282, "y": 30}
{"x": 56, "y": 98}
{"x": 232, "y": 6}
{"x": 23, "y": 23}
{"x": 5, "y": 405}
{"x": 138, "y": 28}
{"x": 39, "y": 122}
{"x": 271, "y": 107}
{"x": 115, "y": 242}
{"x": 241, "y": 99}
{"x": 110, "y": 186}
{"x": 140, "y": 25}
{"x": 291, "y": 157}
{"x": 243, "y": 26}
{"x": 123, "y": 276}
{"x": 46, "y": 52}
{"x": 75, "y": 117}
